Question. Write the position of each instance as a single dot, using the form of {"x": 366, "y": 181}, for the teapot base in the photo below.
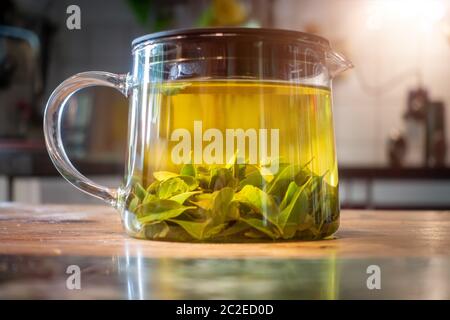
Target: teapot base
{"x": 327, "y": 230}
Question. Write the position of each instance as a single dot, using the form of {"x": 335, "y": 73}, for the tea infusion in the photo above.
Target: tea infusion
{"x": 234, "y": 161}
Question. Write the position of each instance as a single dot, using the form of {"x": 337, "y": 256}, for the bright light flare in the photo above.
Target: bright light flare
{"x": 422, "y": 14}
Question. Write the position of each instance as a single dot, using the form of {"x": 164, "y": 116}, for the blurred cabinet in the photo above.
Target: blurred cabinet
{"x": 389, "y": 188}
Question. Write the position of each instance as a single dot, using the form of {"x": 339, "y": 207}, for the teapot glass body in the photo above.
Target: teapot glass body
{"x": 231, "y": 136}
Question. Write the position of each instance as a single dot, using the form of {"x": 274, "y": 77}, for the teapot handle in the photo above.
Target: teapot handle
{"x": 52, "y": 128}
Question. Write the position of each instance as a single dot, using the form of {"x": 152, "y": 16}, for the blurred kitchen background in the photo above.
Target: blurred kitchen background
{"x": 391, "y": 111}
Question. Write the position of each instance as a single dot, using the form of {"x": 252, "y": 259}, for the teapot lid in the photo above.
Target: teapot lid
{"x": 279, "y": 34}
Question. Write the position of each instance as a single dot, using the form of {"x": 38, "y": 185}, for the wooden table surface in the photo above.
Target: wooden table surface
{"x": 96, "y": 230}
{"x": 410, "y": 244}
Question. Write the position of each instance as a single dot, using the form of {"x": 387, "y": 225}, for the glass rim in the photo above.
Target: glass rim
{"x": 264, "y": 33}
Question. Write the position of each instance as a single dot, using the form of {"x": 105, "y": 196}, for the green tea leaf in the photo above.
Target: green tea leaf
{"x": 237, "y": 227}
{"x": 140, "y": 191}
{"x": 262, "y": 226}
{"x": 204, "y": 201}
{"x": 260, "y": 201}
{"x": 158, "y": 230}
{"x": 182, "y": 197}
{"x": 223, "y": 208}
{"x": 308, "y": 223}
{"x": 231, "y": 162}
{"x": 176, "y": 233}
{"x": 292, "y": 188}
{"x": 203, "y": 177}
{"x": 213, "y": 230}
{"x": 188, "y": 170}
{"x": 278, "y": 186}
{"x": 190, "y": 181}
{"x": 221, "y": 178}
{"x": 153, "y": 188}
{"x": 240, "y": 171}
{"x": 254, "y": 179}
{"x": 281, "y": 181}
{"x": 171, "y": 187}
{"x": 164, "y": 175}
{"x": 331, "y": 202}
{"x": 295, "y": 212}
{"x": 267, "y": 169}
{"x": 133, "y": 204}
{"x": 195, "y": 229}
{"x": 255, "y": 234}
{"x": 236, "y": 200}
{"x": 317, "y": 199}
{"x": 302, "y": 177}
{"x": 149, "y": 198}
{"x": 161, "y": 210}
{"x": 236, "y": 166}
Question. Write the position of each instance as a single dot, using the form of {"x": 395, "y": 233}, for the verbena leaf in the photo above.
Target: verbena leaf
{"x": 195, "y": 229}
{"x": 262, "y": 226}
{"x": 287, "y": 174}
{"x": 190, "y": 181}
{"x": 254, "y": 178}
{"x": 231, "y": 162}
{"x": 267, "y": 169}
{"x": 237, "y": 227}
{"x": 221, "y": 178}
{"x": 188, "y": 170}
{"x": 295, "y": 212}
{"x": 281, "y": 181}
{"x": 292, "y": 188}
{"x": 260, "y": 201}
{"x": 213, "y": 230}
{"x": 182, "y": 197}
{"x": 153, "y": 188}
{"x": 237, "y": 199}
{"x": 140, "y": 191}
{"x": 171, "y": 187}
{"x": 204, "y": 201}
{"x": 161, "y": 210}
{"x": 164, "y": 175}
{"x": 158, "y": 230}
{"x": 133, "y": 204}
{"x": 306, "y": 224}
{"x": 203, "y": 177}
{"x": 149, "y": 198}
{"x": 331, "y": 202}
{"x": 255, "y": 234}
{"x": 236, "y": 166}
{"x": 223, "y": 208}
{"x": 316, "y": 199}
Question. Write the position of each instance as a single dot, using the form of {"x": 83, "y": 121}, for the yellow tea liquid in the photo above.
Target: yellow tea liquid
{"x": 235, "y": 161}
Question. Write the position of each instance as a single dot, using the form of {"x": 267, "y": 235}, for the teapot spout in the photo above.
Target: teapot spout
{"x": 337, "y": 63}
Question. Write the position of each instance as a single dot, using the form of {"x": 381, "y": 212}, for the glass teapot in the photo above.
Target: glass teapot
{"x": 230, "y": 137}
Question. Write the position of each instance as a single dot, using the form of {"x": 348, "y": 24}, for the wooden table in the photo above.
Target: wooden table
{"x": 37, "y": 244}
